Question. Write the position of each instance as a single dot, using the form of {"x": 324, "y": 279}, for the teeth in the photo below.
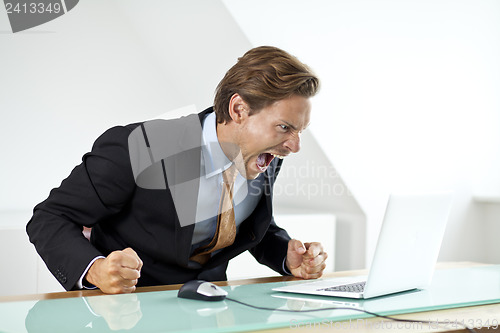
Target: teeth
{"x": 278, "y": 156}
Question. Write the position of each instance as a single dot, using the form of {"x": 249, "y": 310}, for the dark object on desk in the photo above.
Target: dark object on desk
{"x": 202, "y": 290}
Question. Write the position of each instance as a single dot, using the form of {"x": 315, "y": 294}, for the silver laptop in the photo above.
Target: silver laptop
{"x": 407, "y": 250}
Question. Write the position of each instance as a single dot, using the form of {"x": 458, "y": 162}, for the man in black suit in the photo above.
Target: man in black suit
{"x": 150, "y": 191}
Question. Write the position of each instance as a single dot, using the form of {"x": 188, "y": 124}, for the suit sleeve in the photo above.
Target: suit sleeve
{"x": 97, "y": 188}
{"x": 272, "y": 249}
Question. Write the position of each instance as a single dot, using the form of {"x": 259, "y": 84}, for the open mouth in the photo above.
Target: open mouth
{"x": 264, "y": 159}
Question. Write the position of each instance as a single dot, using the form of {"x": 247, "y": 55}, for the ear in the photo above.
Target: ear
{"x": 238, "y": 108}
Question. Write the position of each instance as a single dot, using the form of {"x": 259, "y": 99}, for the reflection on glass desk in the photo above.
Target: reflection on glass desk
{"x": 162, "y": 311}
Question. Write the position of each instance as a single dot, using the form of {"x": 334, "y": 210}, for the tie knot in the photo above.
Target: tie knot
{"x": 229, "y": 175}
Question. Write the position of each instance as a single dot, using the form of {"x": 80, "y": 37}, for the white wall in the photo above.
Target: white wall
{"x": 409, "y": 100}
{"x": 102, "y": 64}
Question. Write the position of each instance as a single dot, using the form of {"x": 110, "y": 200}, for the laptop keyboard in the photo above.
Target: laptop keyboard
{"x": 348, "y": 288}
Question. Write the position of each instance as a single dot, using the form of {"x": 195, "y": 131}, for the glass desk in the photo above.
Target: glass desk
{"x": 158, "y": 310}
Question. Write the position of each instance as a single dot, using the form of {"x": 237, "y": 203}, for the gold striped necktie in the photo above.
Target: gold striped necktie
{"x": 226, "y": 225}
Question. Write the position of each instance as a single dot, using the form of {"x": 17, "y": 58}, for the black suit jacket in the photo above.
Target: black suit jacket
{"x": 102, "y": 193}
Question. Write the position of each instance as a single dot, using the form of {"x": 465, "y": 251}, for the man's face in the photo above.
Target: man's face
{"x": 273, "y": 132}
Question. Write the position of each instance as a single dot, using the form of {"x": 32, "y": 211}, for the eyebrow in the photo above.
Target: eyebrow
{"x": 293, "y": 127}
{"x": 290, "y": 125}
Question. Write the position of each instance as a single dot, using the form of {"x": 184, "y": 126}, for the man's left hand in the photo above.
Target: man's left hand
{"x": 306, "y": 260}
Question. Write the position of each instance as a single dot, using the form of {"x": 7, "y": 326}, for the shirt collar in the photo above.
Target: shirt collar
{"x": 215, "y": 159}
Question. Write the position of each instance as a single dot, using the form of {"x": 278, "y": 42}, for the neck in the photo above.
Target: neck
{"x": 226, "y": 134}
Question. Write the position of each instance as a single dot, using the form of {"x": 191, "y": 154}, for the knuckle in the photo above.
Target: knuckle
{"x": 113, "y": 270}
{"x": 114, "y": 257}
{"x": 114, "y": 281}
{"x": 309, "y": 267}
{"x": 130, "y": 283}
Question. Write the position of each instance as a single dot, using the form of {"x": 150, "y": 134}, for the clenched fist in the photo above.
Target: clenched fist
{"x": 117, "y": 273}
{"x": 306, "y": 260}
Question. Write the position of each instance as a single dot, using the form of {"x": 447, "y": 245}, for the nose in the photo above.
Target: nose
{"x": 293, "y": 143}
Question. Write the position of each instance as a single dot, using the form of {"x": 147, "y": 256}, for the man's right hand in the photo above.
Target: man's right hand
{"x": 117, "y": 273}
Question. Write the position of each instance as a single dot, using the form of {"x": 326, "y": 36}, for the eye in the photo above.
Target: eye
{"x": 284, "y": 127}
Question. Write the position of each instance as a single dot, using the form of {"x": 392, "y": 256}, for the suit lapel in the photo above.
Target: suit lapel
{"x": 186, "y": 201}
{"x": 183, "y": 176}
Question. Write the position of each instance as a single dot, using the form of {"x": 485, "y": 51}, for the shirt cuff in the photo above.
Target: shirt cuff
{"x": 285, "y": 269}
{"x": 79, "y": 283}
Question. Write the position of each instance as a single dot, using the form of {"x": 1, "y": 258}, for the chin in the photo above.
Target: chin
{"x": 250, "y": 174}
